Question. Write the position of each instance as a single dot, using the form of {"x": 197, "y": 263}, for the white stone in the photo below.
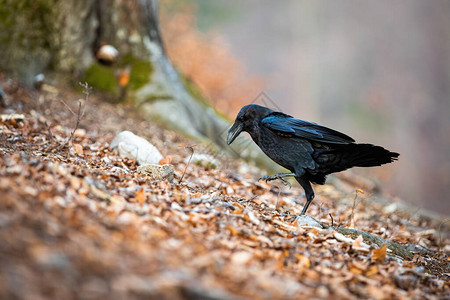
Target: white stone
{"x": 129, "y": 145}
{"x": 305, "y": 220}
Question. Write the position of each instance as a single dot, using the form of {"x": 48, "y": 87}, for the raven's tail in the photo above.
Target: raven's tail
{"x": 366, "y": 155}
{"x": 343, "y": 157}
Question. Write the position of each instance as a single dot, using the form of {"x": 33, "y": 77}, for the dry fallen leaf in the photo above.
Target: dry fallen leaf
{"x": 379, "y": 255}
{"x": 78, "y": 149}
{"x": 372, "y": 270}
{"x": 166, "y": 160}
{"x": 359, "y": 245}
{"x": 232, "y": 230}
{"x": 140, "y": 197}
{"x": 357, "y": 268}
{"x": 303, "y": 261}
{"x": 357, "y": 242}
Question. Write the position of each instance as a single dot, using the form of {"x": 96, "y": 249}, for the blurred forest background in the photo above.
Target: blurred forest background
{"x": 378, "y": 71}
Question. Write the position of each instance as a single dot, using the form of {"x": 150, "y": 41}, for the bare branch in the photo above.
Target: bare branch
{"x": 68, "y": 107}
{"x": 191, "y": 149}
{"x": 80, "y": 112}
{"x": 353, "y": 207}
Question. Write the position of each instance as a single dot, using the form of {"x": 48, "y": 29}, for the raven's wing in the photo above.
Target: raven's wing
{"x": 303, "y": 129}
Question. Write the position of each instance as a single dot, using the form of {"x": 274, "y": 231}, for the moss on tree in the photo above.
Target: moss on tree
{"x": 140, "y": 73}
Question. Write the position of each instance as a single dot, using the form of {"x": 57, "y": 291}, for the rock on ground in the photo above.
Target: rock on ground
{"x": 129, "y": 145}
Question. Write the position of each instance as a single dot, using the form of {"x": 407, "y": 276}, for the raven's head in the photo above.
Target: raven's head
{"x": 247, "y": 120}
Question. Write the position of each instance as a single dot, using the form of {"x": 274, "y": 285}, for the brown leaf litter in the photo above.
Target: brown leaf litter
{"x": 81, "y": 222}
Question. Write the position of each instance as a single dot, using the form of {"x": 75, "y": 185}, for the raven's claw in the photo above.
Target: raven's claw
{"x": 265, "y": 178}
{"x": 286, "y": 182}
{"x": 275, "y": 177}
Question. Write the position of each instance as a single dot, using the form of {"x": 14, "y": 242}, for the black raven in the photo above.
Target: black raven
{"x": 310, "y": 151}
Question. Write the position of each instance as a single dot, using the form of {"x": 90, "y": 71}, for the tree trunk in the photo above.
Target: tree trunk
{"x": 60, "y": 38}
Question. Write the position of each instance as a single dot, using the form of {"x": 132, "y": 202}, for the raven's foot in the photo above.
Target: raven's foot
{"x": 280, "y": 177}
{"x": 269, "y": 178}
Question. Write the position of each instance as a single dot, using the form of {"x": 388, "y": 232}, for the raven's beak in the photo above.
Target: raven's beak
{"x": 234, "y": 131}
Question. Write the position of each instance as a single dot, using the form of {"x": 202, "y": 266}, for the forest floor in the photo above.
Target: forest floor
{"x": 78, "y": 222}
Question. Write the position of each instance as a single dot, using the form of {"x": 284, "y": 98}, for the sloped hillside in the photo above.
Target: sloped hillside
{"x": 78, "y": 221}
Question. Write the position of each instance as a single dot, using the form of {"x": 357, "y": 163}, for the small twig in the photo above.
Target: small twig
{"x": 320, "y": 207}
{"x": 80, "y": 112}
{"x": 86, "y": 91}
{"x": 75, "y": 128}
{"x": 247, "y": 200}
{"x": 191, "y": 149}
{"x": 50, "y": 135}
{"x": 278, "y": 197}
{"x": 353, "y": 207}
{"x": 332, "y": 220}
{"x": 441, "y": 238}
{"x": 68, "y": 107}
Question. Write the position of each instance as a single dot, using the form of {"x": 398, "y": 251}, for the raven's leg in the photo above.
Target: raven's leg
{"x": 278, "y": 176}
{"x": 309, "y": 193}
